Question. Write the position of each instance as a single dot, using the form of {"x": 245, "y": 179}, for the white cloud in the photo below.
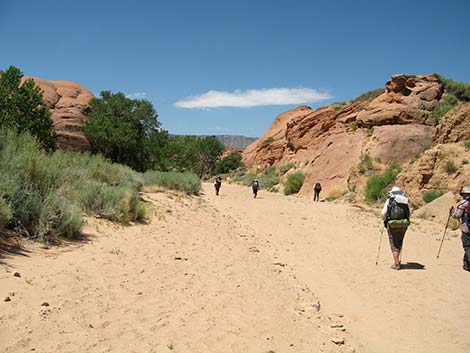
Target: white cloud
{"x": 253, "y": 98}
{"x": 137, "y": 95}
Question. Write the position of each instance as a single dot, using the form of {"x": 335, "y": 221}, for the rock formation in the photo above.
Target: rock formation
{"x": 433, "y": 169}
{"x": 328, "y": 143}
{"x": 68, "y": 102}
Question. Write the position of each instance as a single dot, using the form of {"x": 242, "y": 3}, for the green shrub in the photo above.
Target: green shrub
{"x": 461, "y": 90}
{"x": 353, "y": 126}
{"x": 365, "y": 164}
{"x": 338, "y": 106}
{"x": 467, "y": 145}
{"x": 446, "y": 104}
{"x": 285, "y": 168}
{"x": 5, "y": 212}
{"x": 465, "y": 161}
{"x": 431, "y": 195}
{"x": 268, "y": 141}
{"x": 377, "y": 184}
{"x": 368, "y": 96}
{"x": 450, "y": 167}
{"x": 426, "y": 144}
{"x": 47, "y": 194}
{"x": 187, "y": 182}
{"x": 294, "y": 183}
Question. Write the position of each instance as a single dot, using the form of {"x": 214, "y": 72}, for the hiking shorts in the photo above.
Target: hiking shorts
{"x": 396, "y": 236}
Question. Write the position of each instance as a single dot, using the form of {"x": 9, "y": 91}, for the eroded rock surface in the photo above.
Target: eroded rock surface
{"x": 327, "y": 143}
{"x": 69, "y": 104}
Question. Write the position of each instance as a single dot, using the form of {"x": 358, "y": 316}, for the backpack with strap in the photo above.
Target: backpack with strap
{"x": 398, "y": 212}
{"x": 466, "y": 214}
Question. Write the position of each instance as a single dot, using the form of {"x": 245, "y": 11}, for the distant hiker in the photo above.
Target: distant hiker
{"x": 217, "y": 185}
{"x": 396, "y": 217}
{"x": 316, "y": 192}
{"x": 255, "y": 187}
{"x": 462, "y": 211}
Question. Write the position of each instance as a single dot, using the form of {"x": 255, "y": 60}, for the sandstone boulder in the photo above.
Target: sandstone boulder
{"x": 69, "y": 104}
{"x": 407, "y": 99}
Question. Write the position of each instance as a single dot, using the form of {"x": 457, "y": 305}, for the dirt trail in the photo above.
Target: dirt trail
{"x": 235, "y": 274}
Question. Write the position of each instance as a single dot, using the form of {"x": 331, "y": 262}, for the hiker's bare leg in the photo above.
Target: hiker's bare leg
{"x": 396, "y": 257}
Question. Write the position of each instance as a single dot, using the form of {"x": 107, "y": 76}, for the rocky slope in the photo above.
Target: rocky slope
{"x": 68, "y": 102}
{"x": 328, "y": 143}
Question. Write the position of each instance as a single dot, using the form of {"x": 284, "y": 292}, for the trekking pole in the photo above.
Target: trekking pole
{"x": 380, "y": 243}
{"x": 442, "y": 241}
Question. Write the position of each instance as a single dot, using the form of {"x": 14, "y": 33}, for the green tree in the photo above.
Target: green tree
{"x": 210, "y": 150}
{"x": 127, "y": 131}
{"x": 229, "y": 163}
{"x": 192, "y": 153}
{"x": 21, "y": 109}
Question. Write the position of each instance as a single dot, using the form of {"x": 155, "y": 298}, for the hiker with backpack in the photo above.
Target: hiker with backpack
{"x": 462, "y": 211}
{"x": 217, "y": 185}
{"x": 396, "y": 217}
{"x": 316, "y": 191}
{"x": 255, "y": 187}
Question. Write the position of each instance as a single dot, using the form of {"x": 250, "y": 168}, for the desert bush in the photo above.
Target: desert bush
{"x": 460, "y": 90}
{"x": 465, "y": 161}
{"x": 467, "y": 145}
{"x": 337, "y": 106}
{"x": 268, "y": 178}
{"x": 187, "y": 182}
{"x": 446, "y": 104}
{"x": 365, "y": 164}
{"x": 268, "y": 141}
{"x": 47, "y": 194}
{"x": 377, "y": 184}
{"x": 431, "y": 195}
{"x": 285, "y": 168}
{"x": 368, "y": 96}
{"x": 293, "y": 183}
{"x": 450, "y": 167}
{"x": 353, "y": 126}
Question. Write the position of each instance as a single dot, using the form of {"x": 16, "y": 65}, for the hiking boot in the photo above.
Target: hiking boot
{"x": 395, "y": 267}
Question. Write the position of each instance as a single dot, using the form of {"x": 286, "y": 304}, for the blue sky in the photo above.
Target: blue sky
{"x": 259, "y": 58}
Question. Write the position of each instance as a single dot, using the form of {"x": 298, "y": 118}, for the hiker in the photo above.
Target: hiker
{"x": 217, "y": 185}
{"x": 462, "y": 211}
{"x": 255, "y": 187}
{"x": 396, "y": 217}
{"x": 316, "y": 192}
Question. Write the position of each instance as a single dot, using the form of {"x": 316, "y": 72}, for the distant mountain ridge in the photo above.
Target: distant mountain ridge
{"x": 236, "y": 141}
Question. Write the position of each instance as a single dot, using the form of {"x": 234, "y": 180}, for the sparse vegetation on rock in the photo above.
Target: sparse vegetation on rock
{"x": 431, "y": 195}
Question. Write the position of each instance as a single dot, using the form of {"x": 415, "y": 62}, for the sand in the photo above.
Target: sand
{"x": 237, "y": 274}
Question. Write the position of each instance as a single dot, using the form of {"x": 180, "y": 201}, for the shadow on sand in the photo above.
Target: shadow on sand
{"x": 412, "y": 266}
{"x": 11, "y": 246}
{"x": 14, "y": 245}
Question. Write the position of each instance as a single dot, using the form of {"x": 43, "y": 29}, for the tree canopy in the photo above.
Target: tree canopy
{"x": 21, "y": 109}
{"x": 126, "y": 130}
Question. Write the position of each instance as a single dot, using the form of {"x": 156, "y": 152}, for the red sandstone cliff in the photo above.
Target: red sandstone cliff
{"x": 327, "y": 143}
